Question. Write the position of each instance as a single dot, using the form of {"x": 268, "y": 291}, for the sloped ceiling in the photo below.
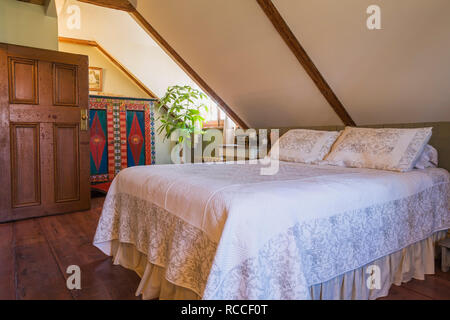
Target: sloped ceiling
{"x": 395, "y": 75}
{"x": 398, "y": 74}
{"x": 119, "y": 34}
{"x": 236, "y": 50}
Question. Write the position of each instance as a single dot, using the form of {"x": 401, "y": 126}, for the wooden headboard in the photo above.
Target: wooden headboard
{"x": 440, "y": 138}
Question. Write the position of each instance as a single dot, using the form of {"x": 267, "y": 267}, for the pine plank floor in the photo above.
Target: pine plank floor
{"x": 35, "y": 254}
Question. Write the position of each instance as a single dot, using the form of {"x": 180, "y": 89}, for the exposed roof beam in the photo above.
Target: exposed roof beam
{"x": 112, "y": 59}
{"x": 122, "y": 5}
{"x": 50, "y": 7}
{"x": 39, "y": 2}
{"x": 292, "y": 42}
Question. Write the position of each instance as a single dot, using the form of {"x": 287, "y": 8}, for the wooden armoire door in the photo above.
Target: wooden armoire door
{"x": 44, "y": 138}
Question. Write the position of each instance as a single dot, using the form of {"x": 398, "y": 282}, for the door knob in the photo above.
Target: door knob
{"x": 84, "y": 120}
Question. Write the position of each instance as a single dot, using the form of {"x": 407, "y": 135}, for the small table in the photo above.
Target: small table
{"x": 445, "y": 245}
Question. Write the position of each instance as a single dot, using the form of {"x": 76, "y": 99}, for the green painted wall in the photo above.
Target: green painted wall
{"x": 27, "y": 25}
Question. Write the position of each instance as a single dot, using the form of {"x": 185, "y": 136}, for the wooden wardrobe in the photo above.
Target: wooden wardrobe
{"x": 44, "y": 138}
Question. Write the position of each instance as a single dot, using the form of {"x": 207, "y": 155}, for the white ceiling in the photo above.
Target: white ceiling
{"x": 395, "y": 75}
{"x": 399, "y": 74}
{"x": 235, "y": 49}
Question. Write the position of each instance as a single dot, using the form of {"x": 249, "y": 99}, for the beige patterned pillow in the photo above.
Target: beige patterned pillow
{"x": 306, "y": 146}
{"x": 385, "y": 149}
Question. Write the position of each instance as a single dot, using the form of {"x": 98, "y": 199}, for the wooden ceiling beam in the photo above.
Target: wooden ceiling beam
{"x": 294, "y": 45}
{"x": 125, "y": 5}
{"x": 112, "y": 59}
{"x": 39, "y": 2}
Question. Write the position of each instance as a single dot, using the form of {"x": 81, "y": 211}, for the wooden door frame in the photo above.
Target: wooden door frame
{"x": 5, "y": 145}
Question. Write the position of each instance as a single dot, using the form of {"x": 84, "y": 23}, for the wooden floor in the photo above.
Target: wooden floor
{"x": 35, "y": 253}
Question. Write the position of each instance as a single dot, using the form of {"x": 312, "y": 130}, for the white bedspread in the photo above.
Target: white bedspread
{"x": 227, "y": 232}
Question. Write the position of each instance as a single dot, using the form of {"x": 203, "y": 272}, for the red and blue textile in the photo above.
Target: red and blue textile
{"x": 122, "y": 135}
{"x": 98, "y": 143}
{"x": 135, "y": 138}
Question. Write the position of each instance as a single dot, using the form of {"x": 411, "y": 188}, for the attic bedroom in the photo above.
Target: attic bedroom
{"x": 224, "y": 150}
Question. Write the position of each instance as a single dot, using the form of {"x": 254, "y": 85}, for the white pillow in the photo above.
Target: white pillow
{"x": 303, "y": 145}
{"x": 428, "y": 158}
{"x": 385, "y": 149}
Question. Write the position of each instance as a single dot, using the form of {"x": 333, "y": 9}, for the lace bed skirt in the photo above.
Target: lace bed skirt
{"x": 414, "y": 261}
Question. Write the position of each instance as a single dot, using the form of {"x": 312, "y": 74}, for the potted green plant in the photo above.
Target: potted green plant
{"x": 182, "y": 114}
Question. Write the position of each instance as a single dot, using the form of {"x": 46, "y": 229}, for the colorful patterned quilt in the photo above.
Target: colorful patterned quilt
{"x": 122, "y": 135}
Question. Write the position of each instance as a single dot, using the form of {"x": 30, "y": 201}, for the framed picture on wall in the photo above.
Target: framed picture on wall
{"x": 95, "y": 79}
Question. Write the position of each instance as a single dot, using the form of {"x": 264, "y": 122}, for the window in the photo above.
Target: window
{"x": 215, "y": 117}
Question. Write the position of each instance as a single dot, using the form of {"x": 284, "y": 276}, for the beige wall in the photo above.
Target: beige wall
{"x": 119, "y": 34}
{"x": 27, "y": 25}
{"x": 117, "y": 83}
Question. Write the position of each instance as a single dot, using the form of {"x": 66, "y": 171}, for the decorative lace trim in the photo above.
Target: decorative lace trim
{"x": 319, "y": 250}
{"x": 182, "y": 249}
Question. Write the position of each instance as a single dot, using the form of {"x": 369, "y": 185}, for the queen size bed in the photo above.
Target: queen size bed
{"x": 224, "y": 231}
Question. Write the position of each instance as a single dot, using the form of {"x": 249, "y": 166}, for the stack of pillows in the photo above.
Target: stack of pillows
{"x": 385, "y": 149}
